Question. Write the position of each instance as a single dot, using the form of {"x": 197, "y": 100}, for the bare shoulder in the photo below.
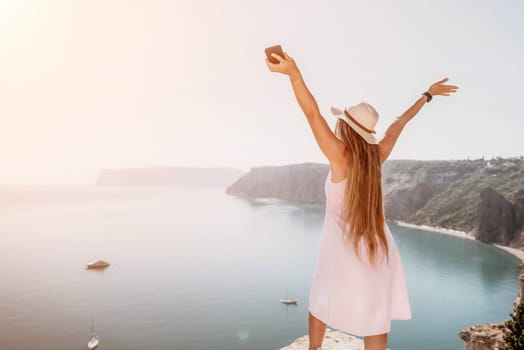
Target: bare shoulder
{"x": 339, "y": 153}
{"x": 339, "y": 169}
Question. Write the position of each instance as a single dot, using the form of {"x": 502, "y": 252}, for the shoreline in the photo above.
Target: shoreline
{"x": 513, "y": 251}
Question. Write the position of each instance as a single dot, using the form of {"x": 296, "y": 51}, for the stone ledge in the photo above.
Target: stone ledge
{"x": 333, "y": 340}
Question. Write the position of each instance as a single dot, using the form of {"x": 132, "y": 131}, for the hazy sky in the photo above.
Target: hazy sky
{"x": 86, "y": 85}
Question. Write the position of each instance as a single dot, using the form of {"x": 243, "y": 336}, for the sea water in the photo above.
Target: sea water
{"x": 194, "y": 268}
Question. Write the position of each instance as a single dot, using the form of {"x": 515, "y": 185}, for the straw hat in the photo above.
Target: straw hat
{"x": 361, "y": 117}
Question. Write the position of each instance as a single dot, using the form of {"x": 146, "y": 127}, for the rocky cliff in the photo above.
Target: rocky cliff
{"x": 499, "y": 219}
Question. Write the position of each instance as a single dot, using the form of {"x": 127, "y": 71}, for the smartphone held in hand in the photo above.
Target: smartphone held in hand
{"x": 274, "y": 49}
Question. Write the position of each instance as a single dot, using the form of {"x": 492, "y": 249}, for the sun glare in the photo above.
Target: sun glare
{"x": 17, "y": 20}
{"x": 8, "y": 5}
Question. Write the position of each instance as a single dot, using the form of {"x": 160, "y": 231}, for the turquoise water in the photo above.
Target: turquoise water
{"x": 194, "y": 268}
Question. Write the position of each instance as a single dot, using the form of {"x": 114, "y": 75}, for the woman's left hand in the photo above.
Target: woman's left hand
{"x": 439, "y": 88}
{"x": 285, "y": 65}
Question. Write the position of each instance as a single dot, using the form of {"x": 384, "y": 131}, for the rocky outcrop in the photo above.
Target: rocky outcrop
{"x": 483, "y": 337}
{"x": 333, "y": 340}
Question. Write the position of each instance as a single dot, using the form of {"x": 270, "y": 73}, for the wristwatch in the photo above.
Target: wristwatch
{"x": 428, "y": 96}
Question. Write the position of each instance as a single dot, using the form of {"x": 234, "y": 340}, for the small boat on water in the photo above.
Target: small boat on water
{"x": 97, "y": 264}
{"x": 94, "y": 341}
{"x": 289, "y": 301}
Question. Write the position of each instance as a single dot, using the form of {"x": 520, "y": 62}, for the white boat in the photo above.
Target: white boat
{"x": 94, "y": 341}
{"x": 289, "y": 301}
{"x": 97, "y": 264}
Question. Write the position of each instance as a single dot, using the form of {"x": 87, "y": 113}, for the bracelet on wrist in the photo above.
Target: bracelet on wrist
{"x": 428, "y": 95}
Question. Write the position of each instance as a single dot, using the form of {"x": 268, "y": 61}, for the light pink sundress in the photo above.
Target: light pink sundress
{"x": 348, "y": 294}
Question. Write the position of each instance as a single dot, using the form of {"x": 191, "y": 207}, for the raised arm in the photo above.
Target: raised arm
{"x": 392, "y": 133}
{"x": 385, "y": 145}
{"x": 329, "y": 144}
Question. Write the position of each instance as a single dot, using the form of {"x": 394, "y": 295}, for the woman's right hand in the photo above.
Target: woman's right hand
{"x": 285, "y": 65}
{"x": 439, "y": 88}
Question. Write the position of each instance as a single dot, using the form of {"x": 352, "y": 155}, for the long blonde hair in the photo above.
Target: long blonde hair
{"x": 363, "y": 209}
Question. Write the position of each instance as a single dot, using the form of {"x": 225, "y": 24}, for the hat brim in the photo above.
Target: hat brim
{"x": 368, "y": 137}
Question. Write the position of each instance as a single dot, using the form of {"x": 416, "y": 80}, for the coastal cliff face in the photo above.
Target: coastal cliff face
{"x": 409, "y": 187}
{"x": 499, "y": 219}
{"x": 448, "y": 193}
